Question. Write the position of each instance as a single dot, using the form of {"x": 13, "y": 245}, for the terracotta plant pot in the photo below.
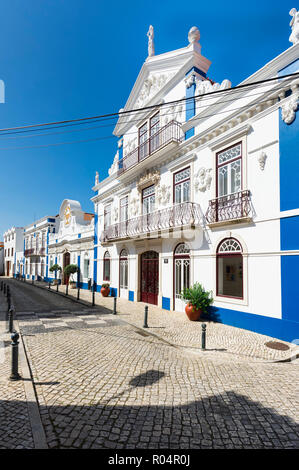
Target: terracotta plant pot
{"x": 105, "y": 291}
{"x": 72, "y": 284}
{"x": 192, "y": 313}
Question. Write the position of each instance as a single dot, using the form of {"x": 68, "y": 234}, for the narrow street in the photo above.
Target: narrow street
{"x": 102, "y": 383}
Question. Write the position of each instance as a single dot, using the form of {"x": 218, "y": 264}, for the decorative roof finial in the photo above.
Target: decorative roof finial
{"x": 294, "y": 37}
{"x": 193, "y": 35}
{"x": 151, "y": 46}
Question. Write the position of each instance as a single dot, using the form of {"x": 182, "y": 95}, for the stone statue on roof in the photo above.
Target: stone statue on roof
{"x": 294, "y": 37}
{"x": 151, "y": 46}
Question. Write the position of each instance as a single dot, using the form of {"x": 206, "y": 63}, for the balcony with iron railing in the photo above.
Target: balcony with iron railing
{"x": 231, "y": 208}
{"x": 35, "y": 251}
{"x": 171, "y": 133}
{"x": 185, "y": 214}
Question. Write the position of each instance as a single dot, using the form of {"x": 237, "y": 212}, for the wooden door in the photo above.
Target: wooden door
{"x": 150, "y": 277}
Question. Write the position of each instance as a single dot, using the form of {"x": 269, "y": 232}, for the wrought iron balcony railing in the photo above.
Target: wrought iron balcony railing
{"x": 176, "y": 216}
{"x": 228, "y": 208}
{"x": 167, "y": 134}
{"x": 39, "y": 251}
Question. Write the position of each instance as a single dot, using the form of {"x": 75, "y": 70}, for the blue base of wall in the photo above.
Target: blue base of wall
{"x": 131, "y": 295}
{"x": 274, "y": 327}
{"x": 166, "y": 303}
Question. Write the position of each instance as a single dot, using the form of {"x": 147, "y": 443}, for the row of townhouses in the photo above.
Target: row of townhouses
{"x": 203, "y": 187}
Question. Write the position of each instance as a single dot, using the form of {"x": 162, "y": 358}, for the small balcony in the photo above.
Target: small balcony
{"x": 232, "y": 208}
{"x": 39, "y": 251}
{"x": 181, "y": 215}
{"x": 167, "y": 135}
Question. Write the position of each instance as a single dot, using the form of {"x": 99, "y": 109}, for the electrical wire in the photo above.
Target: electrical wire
{"x": 145, "y": 108}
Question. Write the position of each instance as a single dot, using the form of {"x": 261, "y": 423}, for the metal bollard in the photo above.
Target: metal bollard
{"x": 7, "y": 291}
{"x": 78, "y": 293}
{"x": 15, "y": 357}
{"x": 67, "y": 289}
{"x": 57, "y": 286}
{"x": 93, "y": 294}
{"x": 49, "y": 286}
{"x": 4, "y": 288}
{"x": 114, "y": 306}
{"x": 11, "y": 319}
{"x": 1, "y": 285}
{"x": 8, "y": 301}
{"x": 32, "y": 281}
{"x": 203, "y": 336}
{"x": 145, "y": 316}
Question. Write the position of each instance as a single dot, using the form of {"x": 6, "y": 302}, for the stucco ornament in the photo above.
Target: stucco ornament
{"x": 175, "y": 113}
{"x": 190, "y": 80}
{"x": 294, "y": 37}
{"x": 114, "y": 166}
{"x": 205, "y": 86}
{"x": 151, "y": 86}
{"x": 133, "y": 206}
{"x": 163, "y": 194}
{"x": 289, "y": 108}
{"x": 262, "y": 160}
{"x": 193, "y": 35}
{"x": 115, "y": 214}
{"x": 151, "y": 45}
{"x": 149, "y": 178}
{"x": 203, "y": 179}
{"x": 130, "y": 146}
{"x": 97, "y": 178}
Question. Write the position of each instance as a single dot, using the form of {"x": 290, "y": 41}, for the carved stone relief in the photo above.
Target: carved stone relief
{"x": 203, "y": 179}
{"x": 288, "y": 109}
{"x": 149, "y": 178}
{"x": 163, "y": 194}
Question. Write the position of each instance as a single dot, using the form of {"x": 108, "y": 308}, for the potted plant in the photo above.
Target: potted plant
{"x": 69, "y": 271}
{"x": 198, "y": 301}
{"x": 105, "y": 289}
{"x": 55, "y": 268}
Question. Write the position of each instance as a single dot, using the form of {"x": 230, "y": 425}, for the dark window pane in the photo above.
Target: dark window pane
{"x": 230, "y": 276}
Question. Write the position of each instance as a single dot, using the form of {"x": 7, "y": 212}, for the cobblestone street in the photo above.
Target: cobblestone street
{"x": 104, "y": 383}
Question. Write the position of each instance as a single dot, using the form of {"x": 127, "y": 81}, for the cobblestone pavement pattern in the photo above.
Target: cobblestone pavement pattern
{"x": 109, "y": 385}
{"x": 15, "y": 429}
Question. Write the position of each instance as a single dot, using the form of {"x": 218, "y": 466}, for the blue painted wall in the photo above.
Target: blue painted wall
{"x": 284, "y": 329}
{"x": 166, "y": 303}
{"x": 289, "y": 161}
{"x": 131, "y": 295}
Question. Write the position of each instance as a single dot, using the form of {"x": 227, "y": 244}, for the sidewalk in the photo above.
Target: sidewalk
{"x": 20, "y": 426}
{"x": 175, "y": 328}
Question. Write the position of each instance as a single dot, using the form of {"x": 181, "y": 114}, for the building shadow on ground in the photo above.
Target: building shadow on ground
{"x": 224, "y": 420}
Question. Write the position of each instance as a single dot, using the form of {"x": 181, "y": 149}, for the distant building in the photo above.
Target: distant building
{"x": 36, "y": 241}
{"x": 73, "y": 243}
{"x": 1, "y": 258}
{"x": 13, "y": 250}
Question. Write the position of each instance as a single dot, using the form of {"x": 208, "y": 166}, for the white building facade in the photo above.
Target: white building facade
{"x": 73, "y": 243}
{"x": 36, "y": 241}
{"x": 13, "y": 250}
{"x": 204, "y": 188}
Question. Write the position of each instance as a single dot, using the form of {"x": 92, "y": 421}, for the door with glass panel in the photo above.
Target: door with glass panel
{"x": 123, "y": 274}
{"x": 148, "y": 207}
{"x": 154, "y": 132}
{"x": 124, "y": 215}
{"x": 229, "y": 181}
{"x": 181, "y": 275}
{"x": 143, "y": 142}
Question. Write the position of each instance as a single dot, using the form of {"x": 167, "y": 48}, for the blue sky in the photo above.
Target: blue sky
{"x": 65, "y": 59}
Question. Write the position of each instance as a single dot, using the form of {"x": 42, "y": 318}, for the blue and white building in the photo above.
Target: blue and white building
{"x": 205, "y": 189}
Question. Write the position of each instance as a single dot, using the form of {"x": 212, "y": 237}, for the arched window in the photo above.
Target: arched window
{"x": 230, "y": 269}
{"x": 106, "y": 274}
{"x": 123, "y": 269}
{"x": 181, "y": 268}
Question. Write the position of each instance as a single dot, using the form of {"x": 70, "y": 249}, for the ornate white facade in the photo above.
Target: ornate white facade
{"x": 198, "y": 192}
